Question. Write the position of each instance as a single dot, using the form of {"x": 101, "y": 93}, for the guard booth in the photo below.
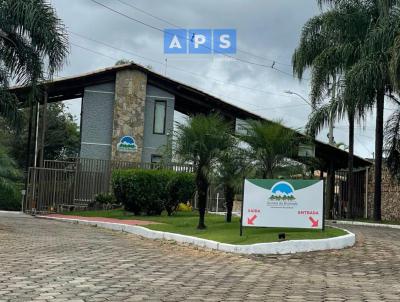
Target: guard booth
{"x": 127, "y": 116}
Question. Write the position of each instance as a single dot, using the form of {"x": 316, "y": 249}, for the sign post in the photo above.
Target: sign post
{"x": 283, "y": 203}
{"x": 241, "y": 210}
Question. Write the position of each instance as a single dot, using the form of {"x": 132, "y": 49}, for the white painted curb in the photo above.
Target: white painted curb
{"x": 283, "y": 247}
{"x": 370, "y": 224}
{"x": 11, "y": 212}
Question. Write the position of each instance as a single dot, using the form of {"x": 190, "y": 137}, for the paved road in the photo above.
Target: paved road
{"x": 45, "y": 260}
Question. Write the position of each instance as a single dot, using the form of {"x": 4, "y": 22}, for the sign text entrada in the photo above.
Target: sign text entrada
{"x": 199, "y": 41}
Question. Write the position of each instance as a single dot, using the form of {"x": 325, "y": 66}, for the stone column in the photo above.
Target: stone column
{"x": 129, "y": 106}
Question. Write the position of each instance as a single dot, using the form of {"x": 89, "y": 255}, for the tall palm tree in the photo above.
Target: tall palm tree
{"x": 355, "y": 38}
{"x": 338, "y": 109}
{"x": 33, "y": 45}
{"x": 329, "y": 45}
{"x": 200, "y": 142}
{"x": 270, "y": 144}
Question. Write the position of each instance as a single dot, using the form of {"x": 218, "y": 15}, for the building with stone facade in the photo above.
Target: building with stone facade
{"x": 127, "y": 113}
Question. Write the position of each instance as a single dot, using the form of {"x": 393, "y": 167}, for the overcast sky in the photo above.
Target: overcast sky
{"x": 267, "y": 29}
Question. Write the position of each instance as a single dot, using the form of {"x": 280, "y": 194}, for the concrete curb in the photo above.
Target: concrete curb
{"x": 284, "y": 247}
{"x": 370, "y": 224}
{"x": 11, "y": 212}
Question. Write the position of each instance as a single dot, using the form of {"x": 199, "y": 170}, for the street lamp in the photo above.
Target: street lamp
{"x": 299, "y": 95}
{"x": 330, "y": 135}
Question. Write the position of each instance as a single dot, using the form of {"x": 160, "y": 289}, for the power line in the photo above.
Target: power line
{"x": 96, "y": 52}
{"x": 204, "y": 46}
{"x": 180, "y": 27}
{"x": 259, "y": 108}
{"x": 252, "y": 89}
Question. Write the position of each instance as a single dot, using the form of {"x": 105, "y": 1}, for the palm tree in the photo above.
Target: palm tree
{"x": 33, "y": 46}
{"x": 356, "y": 39}
{"x": 329, "y": 45}
{"x": 270, "y": 143}
{"x": 200, "y": 142}
{"x": 233, "y": 165}
{"x": 337, "y": 109}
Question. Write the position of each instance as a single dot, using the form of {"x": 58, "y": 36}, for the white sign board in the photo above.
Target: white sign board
{"x": 283, "y": 203}
{"x": 241, "y": 127}
{"x": 306, "y": 150}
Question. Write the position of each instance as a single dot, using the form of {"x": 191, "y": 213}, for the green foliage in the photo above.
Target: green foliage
{"x": 10, "y": 176}
{"x": 10, "y": 198}
{"x": 270, "y": 144}
{"x": 62, "y": 135}
{"x": 62, "y": 138}
{"x": 359, "y": 40}
{"x": 105, "y": 198}
{"x": 200, "y": 142}
{"x": 201, "y": 139}
{"x": 33, "y": 45}
{"x": 152, "y": 191}
{"x": 180, "y": 188}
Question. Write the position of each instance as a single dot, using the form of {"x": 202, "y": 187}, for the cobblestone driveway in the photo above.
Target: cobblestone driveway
{"x": 55, "y": 261}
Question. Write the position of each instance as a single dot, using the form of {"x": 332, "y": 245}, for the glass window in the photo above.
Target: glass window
{"x": 160, "y": 111}
{"x": 155, "y": 158}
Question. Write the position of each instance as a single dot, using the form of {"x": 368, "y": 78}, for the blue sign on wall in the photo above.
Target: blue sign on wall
{"x": 127, "y": 144}
{"x": 199, "y": 41}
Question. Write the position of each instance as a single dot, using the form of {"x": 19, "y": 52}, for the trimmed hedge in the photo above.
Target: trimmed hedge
{"x": 152, "y": 191}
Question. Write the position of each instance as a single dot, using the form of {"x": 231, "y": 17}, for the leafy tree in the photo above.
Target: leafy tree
{"x": 270, "y": 143}
{"x": 33, "y": 45}
{"x": 62, "y": 138}
{"x": 200, "y": 142}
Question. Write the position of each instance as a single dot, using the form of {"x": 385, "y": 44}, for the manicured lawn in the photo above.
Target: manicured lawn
{"x": 217, "y": 229}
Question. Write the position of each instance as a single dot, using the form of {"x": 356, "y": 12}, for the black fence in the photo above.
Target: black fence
{"x": 74, "y": 184}
{"x": 341, "y": 194}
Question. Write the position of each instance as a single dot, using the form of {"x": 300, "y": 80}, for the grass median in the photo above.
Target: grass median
{"x": 217, "y": 229}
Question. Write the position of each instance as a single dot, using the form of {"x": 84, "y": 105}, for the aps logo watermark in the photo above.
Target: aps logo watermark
{"x": 199, "y": 41}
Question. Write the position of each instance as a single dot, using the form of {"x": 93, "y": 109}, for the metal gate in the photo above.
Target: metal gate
{"x": 74, "y": 184}
{"x": 341, "y": 206}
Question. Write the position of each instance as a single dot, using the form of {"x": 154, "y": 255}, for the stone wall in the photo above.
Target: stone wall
{"x": 129, "y": 108}
{"x": 390, "y": 196}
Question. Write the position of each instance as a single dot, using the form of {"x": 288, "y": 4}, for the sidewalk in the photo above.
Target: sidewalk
{"x": 102, "y": 219}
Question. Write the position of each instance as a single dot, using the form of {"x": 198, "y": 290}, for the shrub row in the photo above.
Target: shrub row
{"x": 152, "y": 191}
{"x": 10, "y": 198}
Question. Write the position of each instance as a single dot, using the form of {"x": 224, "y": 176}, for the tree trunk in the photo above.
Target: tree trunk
{"x": 202, "y": 188}
{"x": 229, "y": 196}
{"x": 330, "y": 191}
{"x": 380, "y": 100}
{"x": 350, "y": 181}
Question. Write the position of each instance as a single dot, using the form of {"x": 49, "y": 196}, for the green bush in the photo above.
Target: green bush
{"x": 151, "y": 191}
{"x": 181, "y": 188}
{"x": 105, "y": 198}
{"x": 10, "y": 198}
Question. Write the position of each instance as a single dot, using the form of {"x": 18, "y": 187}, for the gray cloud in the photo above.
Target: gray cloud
{"x": 268, "y": 28}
